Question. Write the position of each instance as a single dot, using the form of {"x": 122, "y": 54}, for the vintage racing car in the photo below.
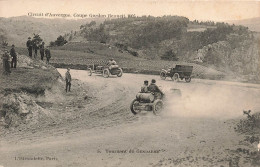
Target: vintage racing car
{"x": 147, "y": 102}
{"x": 177, "y": 72}
{"x": 106, "y": 71}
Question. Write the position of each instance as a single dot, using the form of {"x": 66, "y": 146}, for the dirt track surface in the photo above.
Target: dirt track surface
{"x": 192, "y": 131}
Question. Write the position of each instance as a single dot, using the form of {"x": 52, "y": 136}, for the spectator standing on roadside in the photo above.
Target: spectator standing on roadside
{"x": 14, "y": 57}
{"x": 47, "y": 54}
{"x": 29, "y": 45}
{"x": 35, "y": 48}
{"x": 68, "y": 80}
{"x": 6, "y": 64}
{"x": 42, "y": 50}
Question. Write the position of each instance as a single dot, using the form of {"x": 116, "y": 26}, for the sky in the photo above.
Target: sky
{"x": 219, "y": 10}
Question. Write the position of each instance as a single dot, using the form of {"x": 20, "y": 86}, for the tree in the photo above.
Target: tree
{"x": 36, "y": 38}
{"x": 59, "y": 42}
{"x": 4, "y": 43}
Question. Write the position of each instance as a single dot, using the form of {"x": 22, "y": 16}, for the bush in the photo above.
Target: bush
{"x": 59, "y": 42}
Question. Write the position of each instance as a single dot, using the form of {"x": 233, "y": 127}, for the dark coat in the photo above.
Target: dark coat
{"x": 154, "y": 88}
{"x": 13, "y": 53}
{"x": 29, "y": 44}
{"x": 47, "y": 53}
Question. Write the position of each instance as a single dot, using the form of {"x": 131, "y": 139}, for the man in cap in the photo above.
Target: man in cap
{"x": 47, "y": 54}
{"x": 29, "y": 45}
{"x": 155, "y": 89}
{"x": 35, "y": 48}
{"x": 14, "y": 57}
{"x": 68, "y": 80}
{"x": 42, "y": 50}
{"x": 112, "y": 63}
{"x": 144, "y": 88}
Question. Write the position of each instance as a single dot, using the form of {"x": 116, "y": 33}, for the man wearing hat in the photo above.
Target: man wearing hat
{"x": 14, "y": 57}
{"x": 68, "y": 80}
{"x": 112, "y": 64}
{"x": 144, "y": 88}
{"x": 47, "y": 54}
{"x": 29, "y": 45}
{"x": 155, "y": 89}
{"x": 42, "y": 50}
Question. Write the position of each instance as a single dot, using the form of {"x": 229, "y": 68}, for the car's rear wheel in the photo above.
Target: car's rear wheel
{"x": 133, "y": 107}
{"x": 188, "y": 79}
{"x": 120, "y": 73}
{"x": 157, "y": 107}
{"x": 106, "y": 73}
{"x": 163, "y": 75}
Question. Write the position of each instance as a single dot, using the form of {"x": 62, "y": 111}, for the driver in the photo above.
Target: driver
{"x": 154, "y": 88}
{"x": 111, "y": 63}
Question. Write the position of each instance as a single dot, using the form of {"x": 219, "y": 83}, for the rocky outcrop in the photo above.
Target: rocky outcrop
{"x": 241, "y": 60}
{"x": 19, "y": 108}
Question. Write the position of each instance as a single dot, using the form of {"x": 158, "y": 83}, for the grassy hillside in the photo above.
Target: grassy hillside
{"x": 17, "y": 29}
{"x": 82, "y": 55}
{"x": 32, "y": 79}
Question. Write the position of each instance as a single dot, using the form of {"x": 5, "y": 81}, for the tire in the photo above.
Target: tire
{"x": 90, "y": 72}
{"x": 176, "y": 77}
{"x": 157, "y": 107}
{"x": 106, "y": 73}
{"x": 133, "y": 108}
{"x": 188, "y": 79}
{"x": 120, "y": 73}
{"x": 163, "y": 75}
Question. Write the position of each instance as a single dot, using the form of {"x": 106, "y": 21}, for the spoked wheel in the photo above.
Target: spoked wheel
{"x": 89, "y": 71}
{"x": 134, "y": 106}
{"x": 120, "y": 73}
{"x": 157, "y": 107}
{"x": 163, "y": 75}
{"x": 188, "y": 79}
{"x": 176, "y": 77}
{"x": 106, "y": 73}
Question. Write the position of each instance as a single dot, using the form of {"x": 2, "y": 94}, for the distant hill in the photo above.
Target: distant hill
{"x": 17, "y": 29}
{"x": 253, "y": 24}
{"x": 226, "y": 47}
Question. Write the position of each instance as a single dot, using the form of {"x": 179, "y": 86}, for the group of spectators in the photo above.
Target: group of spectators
{"x": 35, "y": 46}
{"x": 10, "y": 57}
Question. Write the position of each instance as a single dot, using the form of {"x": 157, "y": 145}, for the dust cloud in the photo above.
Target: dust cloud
{"x": 212, "y": 100}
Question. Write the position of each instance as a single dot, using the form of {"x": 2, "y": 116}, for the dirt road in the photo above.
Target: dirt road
{"x": 194, "y": 129}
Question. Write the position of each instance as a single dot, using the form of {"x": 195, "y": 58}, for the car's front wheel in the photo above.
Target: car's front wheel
{"x": 120, "y": 72}
{"x": 163, "y": 75}
{"x": 157, "y": 107}
{"x": 176, "y": 77}
{"x": 134, "y": 107}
